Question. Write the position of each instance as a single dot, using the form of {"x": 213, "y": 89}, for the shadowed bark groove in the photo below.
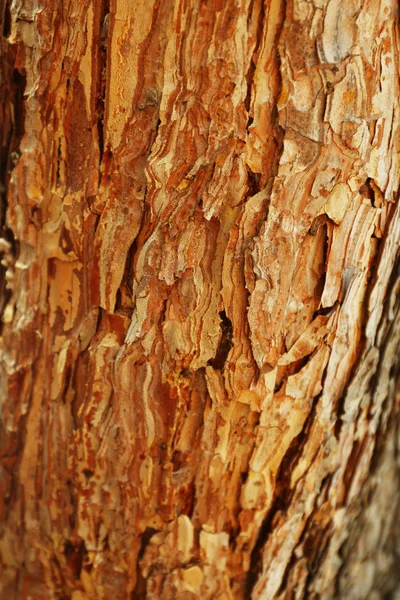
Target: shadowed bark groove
{"x": 199, "y": 298}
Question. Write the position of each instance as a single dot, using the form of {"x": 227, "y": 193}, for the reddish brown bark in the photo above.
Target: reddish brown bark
{"x": 199, "y": 345}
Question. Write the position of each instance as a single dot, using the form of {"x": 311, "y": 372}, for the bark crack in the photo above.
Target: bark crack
{"x": 225, "y": 344}
{"x": 102, "y": 71}
{"x": 13, "y": 83}
{"x": 282, "y": 500}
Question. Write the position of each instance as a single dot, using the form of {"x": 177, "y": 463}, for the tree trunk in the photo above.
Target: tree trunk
{"x": 200, "y": 340}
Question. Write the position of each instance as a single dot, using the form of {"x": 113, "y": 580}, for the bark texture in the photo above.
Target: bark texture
{"x": 200, "y": 339}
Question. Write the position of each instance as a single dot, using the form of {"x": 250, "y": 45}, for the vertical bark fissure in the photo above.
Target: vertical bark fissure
{"x": 102, "y": 44}
{"x": 282, "y": 499}
{"x": 225, "y": 343}
{"x": 13, "y": 82}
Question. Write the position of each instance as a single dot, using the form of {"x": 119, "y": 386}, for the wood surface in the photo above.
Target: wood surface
{"x": 200, "y": 299}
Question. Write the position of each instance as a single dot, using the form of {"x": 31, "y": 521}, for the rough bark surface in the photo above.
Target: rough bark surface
{"x": 200, "y": 339}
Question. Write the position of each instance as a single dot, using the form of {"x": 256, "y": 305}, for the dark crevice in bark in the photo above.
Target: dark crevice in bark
{"x": 129, "y": 270}
{"x": 163, "y": 310}
{"x": 6, "y": 19}
{"x": 356, "y": 454}
{"x": 292, "y": 369}
{"x": 314, "y": 542}
{"x": 280, "y": 504}
{"x": 282, "y": 500}
{"x": 58, "y": 162}
{"x": 158, "y": 124}
{"x": 253, "y": 183}
{"x": 368, "y": 191}
{"x": 127, "y": 281}
{"x": 327, "y": 311}
{"x": 319, "y": 288}
{"x": 72, "y": 495}
{"x": 140, "y": 591}
{"x": 101, "y": 79}
{"x": 316, "y": 549}
{"x": 75, "y": 554}
{"x": 88, "y": 473}
{"x": 225, "y": 343}
{"x": 319, "y": 222}
{"x": 12, "y": 89}
{"x": 68, "y": 379}
{"x": 188, "y": 500}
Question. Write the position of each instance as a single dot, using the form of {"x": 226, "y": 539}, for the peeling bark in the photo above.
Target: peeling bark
{"x": 199, "y": 337}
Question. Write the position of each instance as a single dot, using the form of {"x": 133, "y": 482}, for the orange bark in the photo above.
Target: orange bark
{"x": 199, "y": 344}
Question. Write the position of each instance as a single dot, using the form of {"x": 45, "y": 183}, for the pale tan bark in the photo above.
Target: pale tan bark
{"x": 199, "y": 349}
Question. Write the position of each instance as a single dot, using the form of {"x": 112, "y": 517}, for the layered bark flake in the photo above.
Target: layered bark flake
{"x": 200, "y": 299}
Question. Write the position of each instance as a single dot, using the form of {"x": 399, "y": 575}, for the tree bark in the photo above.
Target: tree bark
{"x": 200, "y": 340}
